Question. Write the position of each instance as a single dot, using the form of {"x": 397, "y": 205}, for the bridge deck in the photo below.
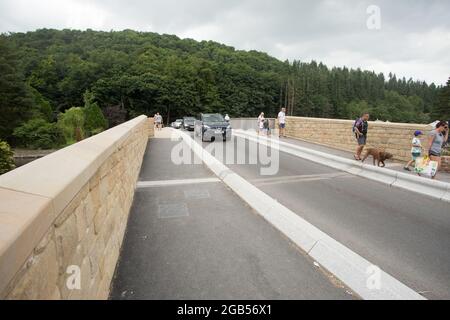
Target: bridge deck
{"x": 200, "y": 241}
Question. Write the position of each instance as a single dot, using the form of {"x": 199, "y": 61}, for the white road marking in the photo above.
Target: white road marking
{"x": 165, "y": 183}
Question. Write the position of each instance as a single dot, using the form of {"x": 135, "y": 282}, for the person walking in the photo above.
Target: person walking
{"x": 360, "y": 128}
{"x": 261, "y": 119}
{"x": 158, "y": 121}
{"x": 282, "y": 122}
{"x": 416, "y": 150}
{"x": 227, "y": 118}
{"x": 436, "y": 140}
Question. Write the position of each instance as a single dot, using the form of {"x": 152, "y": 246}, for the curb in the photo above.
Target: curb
{"x": 435, "y": 189}
{"x": 348, "y": 266}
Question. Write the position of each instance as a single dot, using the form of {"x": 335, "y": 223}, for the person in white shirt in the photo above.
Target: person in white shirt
{"x": 158, "y": 121}
{"x": 261, "y": 119}
{"x": 227, "y": 118}
{"x": 282, "y": 122}
{"x": 416, "y": 150}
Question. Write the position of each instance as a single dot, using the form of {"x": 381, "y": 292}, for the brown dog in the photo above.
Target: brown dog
{"x": 377, "y": 155}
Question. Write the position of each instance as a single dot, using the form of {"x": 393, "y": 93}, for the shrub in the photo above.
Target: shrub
{"x": 71, "y": 122}
{"x": 94, "y": 120}
{"x": 39, "y": 134}
{"x": 6, "y": 158}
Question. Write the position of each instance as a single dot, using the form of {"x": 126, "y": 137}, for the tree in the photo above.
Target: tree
{"x": 441, "y": 109}
{"x": 94, "y": 120}
{"x": 6, "y": 158}
{"x": 71, "y": 122}
{"x": 39, "y": 134}
{"x": 16, "y": 101}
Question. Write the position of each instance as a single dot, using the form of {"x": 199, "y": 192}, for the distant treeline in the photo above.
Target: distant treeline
{"x": 47, "y": 72}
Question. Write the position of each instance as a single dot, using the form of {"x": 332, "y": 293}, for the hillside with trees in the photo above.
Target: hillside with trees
{"x": 57, "y": 87}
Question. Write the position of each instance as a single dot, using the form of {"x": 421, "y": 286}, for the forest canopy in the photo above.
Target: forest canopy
{"x": 118, "y": 75}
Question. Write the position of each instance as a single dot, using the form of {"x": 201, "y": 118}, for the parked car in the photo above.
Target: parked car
{"x": 211, "y": 126}
{"x": 189, "y": 123}
{"x": 177, "y": 123}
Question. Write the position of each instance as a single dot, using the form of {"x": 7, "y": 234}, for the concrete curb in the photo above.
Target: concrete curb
{"x": 435, "y": 189}
{"x": 347, "y": 265}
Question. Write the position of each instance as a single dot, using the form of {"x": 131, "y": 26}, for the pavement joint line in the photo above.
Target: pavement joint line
{"x": 301, "y": 177}
{"x": 268, "y": 183}
{"x": 345, "y": 264}
{"x": 431, "y": 188}
{"x": 166, "y": 183}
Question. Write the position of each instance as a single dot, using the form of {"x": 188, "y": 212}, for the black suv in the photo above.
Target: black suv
{"x": 189, "y": 123}
{"x": 212, "y": 126}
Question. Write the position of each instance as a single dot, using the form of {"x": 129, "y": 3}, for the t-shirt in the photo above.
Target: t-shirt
{"x": 158, "y": 118}
{"x": 416, "y": 145}
{"x": 362, "y": 126}
{"x": 261, "y": 122}
{"x": 281, "y": 117}
{"x": 438, "y": 141}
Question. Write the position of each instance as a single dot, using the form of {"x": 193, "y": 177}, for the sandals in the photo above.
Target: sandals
{"x": 356, "y": 158}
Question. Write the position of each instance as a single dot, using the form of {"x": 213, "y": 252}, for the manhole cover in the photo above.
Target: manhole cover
{"x": 196, "y": 194}
{"x": 173, "y": 210}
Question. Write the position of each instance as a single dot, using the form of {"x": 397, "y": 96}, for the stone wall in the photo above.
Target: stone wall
{"x": 151, "y": 127}
{"x": 392, "y": 137}
{"x": 63, "y": 217}
{"x": 445, "y": 165}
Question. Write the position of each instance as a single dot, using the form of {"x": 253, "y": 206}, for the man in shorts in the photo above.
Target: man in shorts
{"x": 282, "y": 122}
{"x": 158, "y": 121}
{"x": 360, "y": 129}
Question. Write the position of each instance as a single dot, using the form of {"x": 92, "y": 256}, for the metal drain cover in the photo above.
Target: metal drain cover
{"x": 196, "y": 194}
{"x": 173, "y": 210}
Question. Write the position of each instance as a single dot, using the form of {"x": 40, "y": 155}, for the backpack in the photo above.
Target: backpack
{"x": 354, "y": 125}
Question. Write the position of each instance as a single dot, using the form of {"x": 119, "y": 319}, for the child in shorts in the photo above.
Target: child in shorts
{"x": 416, "y": 150}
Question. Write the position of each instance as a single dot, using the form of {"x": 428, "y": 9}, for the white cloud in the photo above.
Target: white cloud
{"x": 413, "y": 41}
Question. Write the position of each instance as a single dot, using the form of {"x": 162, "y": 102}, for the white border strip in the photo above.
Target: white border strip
{"x": 347, "y": 265}
{"x": 435, "y": 189}
{"x": 166, "y": 183}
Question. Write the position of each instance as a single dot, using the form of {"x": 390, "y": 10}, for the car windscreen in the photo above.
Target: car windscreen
{"x": 213, "y": 118}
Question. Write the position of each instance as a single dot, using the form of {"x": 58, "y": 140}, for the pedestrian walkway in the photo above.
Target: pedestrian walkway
{"x": 394, "y": 165}
{"x": 190, "y": 237}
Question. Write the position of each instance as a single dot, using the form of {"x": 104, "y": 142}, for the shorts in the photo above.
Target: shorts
{"x": 434, "y": 154}
{"x": 362, "y": 140}
{"x": 416, "y": 155}
{"x": 282, "y": 125}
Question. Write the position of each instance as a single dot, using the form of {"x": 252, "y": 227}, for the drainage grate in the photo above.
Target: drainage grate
{"x": 196, "y": 194}
{"x": 173, "y": 210}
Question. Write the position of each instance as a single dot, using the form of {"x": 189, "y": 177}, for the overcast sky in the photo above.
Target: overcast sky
{"x": 411, "y": 39}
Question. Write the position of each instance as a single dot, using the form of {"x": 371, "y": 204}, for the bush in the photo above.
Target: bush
{"x": 6, "y": 158}
{"x": 71, "y": 122}
{"x": 95, "y": 122}
{"x": 39, "y": 134}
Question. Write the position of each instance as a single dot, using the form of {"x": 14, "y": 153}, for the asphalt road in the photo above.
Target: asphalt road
{"x": 406, "y": 234}
{"x": 201, "y": 241}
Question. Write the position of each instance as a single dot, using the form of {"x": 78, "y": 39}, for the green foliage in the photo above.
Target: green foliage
{"x": 94, "y": 120}
{"x": 6, "y": 158}
{"x": 71, "y": 122}
{"x": 129, "y": 73}
{"x": 39, "y": 134}
{"x": 15, "y": 97}
{"x": 441, "y": 109}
